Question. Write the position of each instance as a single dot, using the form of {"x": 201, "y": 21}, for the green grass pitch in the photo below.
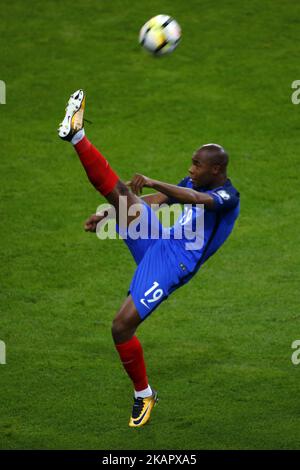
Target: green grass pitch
{"x": 219, "y": 349}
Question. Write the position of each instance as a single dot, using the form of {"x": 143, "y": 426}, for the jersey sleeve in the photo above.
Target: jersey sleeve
{"x": 182, "y": 183}
{"x": 225, "y": 199}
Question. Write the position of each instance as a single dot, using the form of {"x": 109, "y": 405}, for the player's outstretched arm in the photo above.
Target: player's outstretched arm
{"x": 155, "y": 198}
{"x": 182, "y": 195}
{"x": 91, "y": 223}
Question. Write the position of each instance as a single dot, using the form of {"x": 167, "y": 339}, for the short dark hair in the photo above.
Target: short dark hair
{"x": 216, "y": 153}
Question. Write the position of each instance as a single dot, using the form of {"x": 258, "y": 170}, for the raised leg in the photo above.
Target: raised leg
{"x": 105, "y": 180}
{"x": 98, "y": 170}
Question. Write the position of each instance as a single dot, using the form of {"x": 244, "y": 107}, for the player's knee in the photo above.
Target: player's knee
{"x": 121, "y": 329}
{"x": 122, "y": 188}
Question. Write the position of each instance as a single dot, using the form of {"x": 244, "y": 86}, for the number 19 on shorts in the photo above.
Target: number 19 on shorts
{"x": 156, "y": 295}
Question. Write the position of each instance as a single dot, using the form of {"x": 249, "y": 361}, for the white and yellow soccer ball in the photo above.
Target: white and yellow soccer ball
{"x": 160, "y": 35}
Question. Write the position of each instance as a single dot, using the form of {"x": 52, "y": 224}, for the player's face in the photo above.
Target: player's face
{"x": 201, "y": 172}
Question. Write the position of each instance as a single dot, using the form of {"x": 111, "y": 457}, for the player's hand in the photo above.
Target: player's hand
{"x": 91, "y": 223}
{"x": 138, "y": 182}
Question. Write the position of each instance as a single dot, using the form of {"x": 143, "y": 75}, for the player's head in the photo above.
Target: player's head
{"x": 209, "y": 164}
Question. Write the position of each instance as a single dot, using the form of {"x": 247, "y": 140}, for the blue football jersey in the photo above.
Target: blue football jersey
{"x": 173, "y": 258}
{"x": 193, "y": 247}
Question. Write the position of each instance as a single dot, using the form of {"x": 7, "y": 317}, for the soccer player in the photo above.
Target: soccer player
{"x": 163, "y": 264}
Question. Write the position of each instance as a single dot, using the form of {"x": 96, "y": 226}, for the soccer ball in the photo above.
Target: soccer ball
{"x": 160, "y": 35}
